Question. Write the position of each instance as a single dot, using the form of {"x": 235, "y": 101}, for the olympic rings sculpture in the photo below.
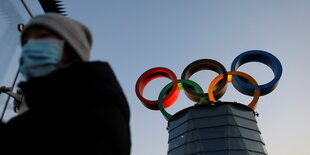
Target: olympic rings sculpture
{"x": 242, "y": 82}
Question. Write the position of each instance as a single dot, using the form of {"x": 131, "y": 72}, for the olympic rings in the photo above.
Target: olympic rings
{"x": 257, "y": 56}
{"x": 256, "y": 94}
{"x": 154, "y": 73}
{"x": 245, "y": 85}
{"x": 168, "y": 86}
{"x": 205, "y": 64}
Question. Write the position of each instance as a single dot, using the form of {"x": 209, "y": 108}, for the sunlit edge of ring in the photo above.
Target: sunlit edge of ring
{"x": 256, "y": 94}
{"x": 150, "y": 75}
{"x": 198, "y": 88}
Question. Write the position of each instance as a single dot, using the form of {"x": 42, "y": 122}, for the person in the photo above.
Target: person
{"x": 75, "y": 106}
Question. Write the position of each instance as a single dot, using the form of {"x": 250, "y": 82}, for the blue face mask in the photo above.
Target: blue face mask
{"x": 40, "y": 57}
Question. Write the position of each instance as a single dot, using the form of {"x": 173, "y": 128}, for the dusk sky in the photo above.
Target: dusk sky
{"x": 134, "y": 36}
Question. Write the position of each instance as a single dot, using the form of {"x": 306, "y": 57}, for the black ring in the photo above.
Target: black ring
{"x": 205, "y": 64}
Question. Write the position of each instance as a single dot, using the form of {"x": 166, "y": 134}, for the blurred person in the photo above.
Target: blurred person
{"x": 75, "y": 106}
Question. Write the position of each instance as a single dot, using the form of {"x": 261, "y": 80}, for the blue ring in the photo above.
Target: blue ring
{"x": 256, "y": 56}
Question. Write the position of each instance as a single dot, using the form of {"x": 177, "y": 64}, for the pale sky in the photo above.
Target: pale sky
{"x": 134, "y": 36}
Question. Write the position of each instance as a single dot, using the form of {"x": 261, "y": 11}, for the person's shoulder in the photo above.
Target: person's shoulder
{"x": 95, "y": 69}
{"x": 97, "y": 63}
{"x": 95, "y": 66}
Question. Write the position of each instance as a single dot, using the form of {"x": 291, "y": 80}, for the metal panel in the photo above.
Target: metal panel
{"x": 223, "y": 128}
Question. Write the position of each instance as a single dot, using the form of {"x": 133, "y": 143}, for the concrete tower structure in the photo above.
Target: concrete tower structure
{"x": 223, "y": 128}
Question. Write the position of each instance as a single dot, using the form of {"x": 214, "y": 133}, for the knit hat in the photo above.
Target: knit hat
{"x": 77, "y": 35}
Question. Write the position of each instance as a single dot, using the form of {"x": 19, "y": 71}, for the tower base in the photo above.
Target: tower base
{"x": 222, "y": 128}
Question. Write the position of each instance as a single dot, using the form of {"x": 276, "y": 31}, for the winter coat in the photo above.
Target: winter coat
{"x": 80, "y": 109}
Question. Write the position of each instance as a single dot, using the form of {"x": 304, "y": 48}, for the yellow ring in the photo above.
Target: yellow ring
{"x": 251, "y": 80}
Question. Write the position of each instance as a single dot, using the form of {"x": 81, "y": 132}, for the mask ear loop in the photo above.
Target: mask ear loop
{"x": 69, "y": 56}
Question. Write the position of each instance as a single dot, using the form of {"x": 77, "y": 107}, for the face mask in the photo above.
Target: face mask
{"x": 40, "y": 57}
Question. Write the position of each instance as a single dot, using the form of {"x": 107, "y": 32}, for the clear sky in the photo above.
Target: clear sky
{"x": 134, "y": 36}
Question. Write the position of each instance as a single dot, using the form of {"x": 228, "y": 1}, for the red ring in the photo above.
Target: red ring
{"x": 154, "y": 73}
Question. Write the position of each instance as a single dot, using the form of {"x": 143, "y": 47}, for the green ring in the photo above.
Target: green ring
{"x": 167, "y": 87}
